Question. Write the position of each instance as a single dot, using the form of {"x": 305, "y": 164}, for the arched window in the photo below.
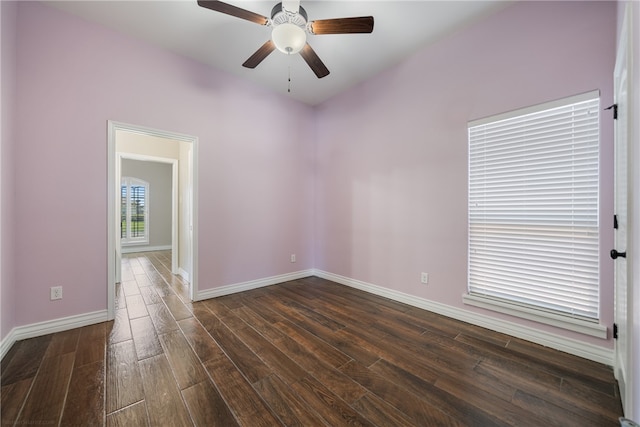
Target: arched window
{"x": 134, "y": 211}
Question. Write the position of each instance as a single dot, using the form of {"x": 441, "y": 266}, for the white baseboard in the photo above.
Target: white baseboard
{"x": 252, "y": 284}
{"x": 49, "y": 327}
{"x": 7, "y": 342}
{"x": 143, "y": 248}
{"x": 571, "y": 346}
{"x": 567, "y": 345}
{"x": 182, "y": 273}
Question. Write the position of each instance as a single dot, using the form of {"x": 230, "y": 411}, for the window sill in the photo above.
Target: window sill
{"x": 585, "y": 327}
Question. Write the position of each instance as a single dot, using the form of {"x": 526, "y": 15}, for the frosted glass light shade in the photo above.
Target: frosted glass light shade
{"x": 289, "y": 38}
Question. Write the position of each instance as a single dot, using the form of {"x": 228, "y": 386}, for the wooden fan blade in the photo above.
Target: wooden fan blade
{"x": 313, "y": 60}
{"x": 232, "y": 10}
{"x": 363, "y": 24}
{"x": 259, "y": 55}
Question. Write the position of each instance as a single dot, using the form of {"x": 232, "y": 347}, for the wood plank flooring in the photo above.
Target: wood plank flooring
{"x": 303, "y": 353}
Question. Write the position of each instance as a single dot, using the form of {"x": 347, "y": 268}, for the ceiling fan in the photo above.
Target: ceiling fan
{"x": 290, "y": 27}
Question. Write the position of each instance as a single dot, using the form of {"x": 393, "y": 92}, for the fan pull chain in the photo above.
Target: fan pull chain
{"x": 289, "y": 81}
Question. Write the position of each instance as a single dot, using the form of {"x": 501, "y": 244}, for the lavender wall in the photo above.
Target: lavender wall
{"x": 391, "y": 187}
{"x": 376, "y": 193}
{"x": 255, "y": 184}
{"x": 8, "y": 15}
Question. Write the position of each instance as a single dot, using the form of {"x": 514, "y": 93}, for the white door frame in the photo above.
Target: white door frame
{"x": 625, "y": 363}
{"x": 174, "y": 198}
{"x": 113, "y": 177}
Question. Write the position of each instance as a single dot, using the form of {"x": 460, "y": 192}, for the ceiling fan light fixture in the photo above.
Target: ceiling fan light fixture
{"x": 289, "y": 38}
{"x": 290, "y": 24}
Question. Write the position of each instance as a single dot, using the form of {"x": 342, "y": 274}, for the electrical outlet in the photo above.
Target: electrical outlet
{"x": 293, "y": 257}
{"x": 424, "y": 278}
{"x": 56, "y": 292}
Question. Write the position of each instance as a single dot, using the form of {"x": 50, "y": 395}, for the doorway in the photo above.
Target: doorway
{"x": 135, "y": 142}
{"x": 159, "y": 205}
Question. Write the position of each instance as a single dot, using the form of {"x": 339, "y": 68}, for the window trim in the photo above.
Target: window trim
{"x": 574, "y": 99}
{"x": 136, "y": 241}
{"x": 586, "y": 326}
{"x": 583, "y": 326}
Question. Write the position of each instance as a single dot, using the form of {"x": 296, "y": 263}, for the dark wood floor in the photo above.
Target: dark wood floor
{"x": 303, "y": 353}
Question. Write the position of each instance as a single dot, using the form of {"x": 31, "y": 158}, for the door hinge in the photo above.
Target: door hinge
{"x": 615, "y": 331}
{"x": 615, "y": 110}
{"x": 615, "y": 222}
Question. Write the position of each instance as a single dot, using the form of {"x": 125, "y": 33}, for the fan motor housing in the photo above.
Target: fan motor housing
{"x": 279, "y": 16}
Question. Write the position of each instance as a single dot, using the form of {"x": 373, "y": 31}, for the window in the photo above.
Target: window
{"x": 533, "y": 213}
{"x": 134, "y": 212}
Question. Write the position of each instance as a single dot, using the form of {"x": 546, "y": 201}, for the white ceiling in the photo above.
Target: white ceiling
{"x": 225, "y": 42}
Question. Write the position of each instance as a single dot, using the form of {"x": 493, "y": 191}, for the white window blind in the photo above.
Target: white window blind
{"x": 533, "y": 207}
{"x": 134, "y": 211}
